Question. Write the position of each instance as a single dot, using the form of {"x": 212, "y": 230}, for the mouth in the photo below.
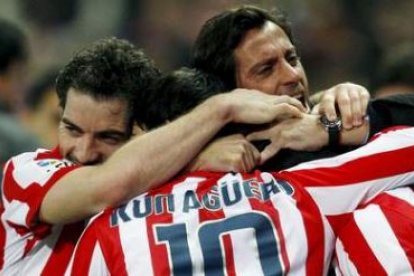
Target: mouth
{"x": 300, "y": 97}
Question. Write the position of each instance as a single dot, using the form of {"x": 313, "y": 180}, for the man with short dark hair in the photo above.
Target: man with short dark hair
{"x": 99, "y": 163}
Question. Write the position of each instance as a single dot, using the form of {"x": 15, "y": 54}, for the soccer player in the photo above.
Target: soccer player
{"x": 246, "y": 224}
{"x": 47, "y": 194}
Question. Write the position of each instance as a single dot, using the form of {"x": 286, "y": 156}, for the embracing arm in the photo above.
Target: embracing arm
{"x": 150, "y": 159}
{"x": 391, "y": 111}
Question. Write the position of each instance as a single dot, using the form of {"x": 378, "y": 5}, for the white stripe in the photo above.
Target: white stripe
{"x": 135, "y": 245}
{"x": 382, "y": 240}
{"x": 393, "y": 140}
{"x": 340, "y": 199}
{"x": 330, "y": 238}
{"x": 98, "y": 265}
{"x": 344, "y": 265}
{"x": 36, "y": 261}
{"x": 14, "y": 250}
{"x": 192, "y": 221}
{"x": 293, "y": 230}
{"x": 405, "y": 194}
{"x": 245, "y": 252}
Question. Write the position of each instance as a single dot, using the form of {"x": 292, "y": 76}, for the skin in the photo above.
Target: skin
{"x": 93, "y": 134}
{"x": 267, "y": 60}
{"x": 90, "y": 137}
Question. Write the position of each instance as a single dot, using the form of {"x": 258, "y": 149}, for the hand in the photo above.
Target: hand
{"x": 229, "y": 153}
{"x": 352, "y": 101}
{"x": 304, "y": 133}
{"x": 254, "y": 107}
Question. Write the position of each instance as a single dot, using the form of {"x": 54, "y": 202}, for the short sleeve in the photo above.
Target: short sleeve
{"x": 25, "y": 184}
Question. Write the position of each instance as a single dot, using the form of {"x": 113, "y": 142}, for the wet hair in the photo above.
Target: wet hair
{"x": 178, "y": 93}
{"x": 110, "y": 69}
{"x": 13, "y": 47}
{"x": 220, "y": 36}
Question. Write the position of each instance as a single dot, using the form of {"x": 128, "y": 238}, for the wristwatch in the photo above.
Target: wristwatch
{"x": 333, "y": 128}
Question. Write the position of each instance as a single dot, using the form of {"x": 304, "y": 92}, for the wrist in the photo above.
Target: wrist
{"x": 218, "y": 108}
{"x": 333, "y": 129}
{"x": 357, "y": 135}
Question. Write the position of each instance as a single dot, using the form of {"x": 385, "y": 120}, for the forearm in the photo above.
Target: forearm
{"x": 160, "y": 154}
{"x": 141, "y": 164}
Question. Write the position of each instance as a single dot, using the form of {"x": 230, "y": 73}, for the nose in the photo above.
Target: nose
{"x": 289, "y": 76}
{"x": 86, "y": 152}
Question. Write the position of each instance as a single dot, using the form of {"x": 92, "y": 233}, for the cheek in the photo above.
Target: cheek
{"x": 66, "y": 143}
{"x": 264, "y": 85}
{"x": 269, "y": 85}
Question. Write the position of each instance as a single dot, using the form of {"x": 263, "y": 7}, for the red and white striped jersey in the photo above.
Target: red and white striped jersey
{"x": 29, "y": 247}
{"x": 378, "y": 240}
{"x": 250, "y": 224}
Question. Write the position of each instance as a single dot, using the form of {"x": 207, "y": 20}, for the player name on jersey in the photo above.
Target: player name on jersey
{"x": 219, "y": 196}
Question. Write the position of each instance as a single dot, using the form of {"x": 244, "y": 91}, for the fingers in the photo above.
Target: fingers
{"x": 284, "y": 111}
{"x": 271, "y": 150}
{"x": 251, "y": 158}
{"x": 327, "y": 104}
{"x": 289, "y": 100}
{"x": 352, "y": 101}
{"x": 356, "y": 111}
{"x": 345, "y": 107}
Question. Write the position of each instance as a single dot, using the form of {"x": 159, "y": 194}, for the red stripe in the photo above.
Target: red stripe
{"x": 159, "y": 252}
{"x": 363, "y": 168}
{"x": 2, "y": 237}
{"x": 62, "y": 251}
{"x": 312, "y": 220}
{"x": 229, "y": 256}
{"x": 400, "y": 216}
{"x": 110, "y": 238}
{"x": 33, "y": 195}
{"x": 84, "y": 251}
{"x": 207, "y": 215}
{"x": 359, "y": 251}
{"x": 268, "y": 208}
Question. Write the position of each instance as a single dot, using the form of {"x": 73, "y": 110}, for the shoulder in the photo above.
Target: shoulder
{"x": 37, "y": 166}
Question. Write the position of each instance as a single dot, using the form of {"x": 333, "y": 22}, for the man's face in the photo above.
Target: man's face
{"x": 266, "y": 60}
{"x": 91, "y": 130}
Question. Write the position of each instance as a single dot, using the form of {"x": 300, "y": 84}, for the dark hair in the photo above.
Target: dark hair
{"x": 220, "y": 35}
{"x": 178, "y": 93}
{"x": 182, "y": 90}
{"x": 397, "y": 68}
{"x": 110, "y": 69}
{"x": 13, "y": 46}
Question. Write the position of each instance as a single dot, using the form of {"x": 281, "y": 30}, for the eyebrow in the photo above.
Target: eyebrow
{"x": 269, "y": 60}
{"x": 107, "y": 132}
{"x": 262, "y": 63}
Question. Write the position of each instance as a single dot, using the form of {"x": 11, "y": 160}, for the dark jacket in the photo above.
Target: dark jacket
{"x": 383, "y": 113}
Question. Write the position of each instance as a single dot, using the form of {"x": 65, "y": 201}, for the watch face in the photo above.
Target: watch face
{"x": 331, "y": 124}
